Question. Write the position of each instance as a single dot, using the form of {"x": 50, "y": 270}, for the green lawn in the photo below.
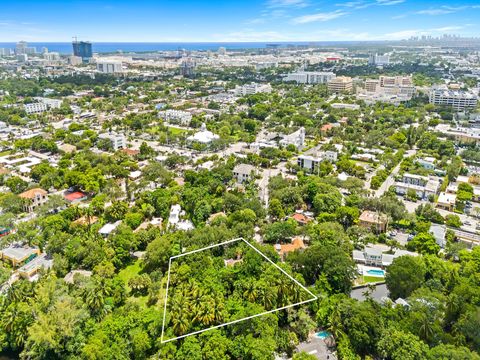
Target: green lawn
{"x": 176, "y": 131}
{"x": 362, "y": 280}
{"x": 129, "y": 272}
{"x": 372, "y": 279}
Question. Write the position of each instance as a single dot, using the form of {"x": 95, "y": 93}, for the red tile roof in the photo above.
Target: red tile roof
{"x": 30, "y": 194}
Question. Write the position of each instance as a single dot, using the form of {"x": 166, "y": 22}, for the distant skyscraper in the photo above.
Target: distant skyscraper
{"x": 82, "y": 49}
{"x": 21, "y": 48}
{"x": 187, "y": 67}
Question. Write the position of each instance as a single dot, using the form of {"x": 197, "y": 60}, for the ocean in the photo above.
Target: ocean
{"x": 111, "y": 47}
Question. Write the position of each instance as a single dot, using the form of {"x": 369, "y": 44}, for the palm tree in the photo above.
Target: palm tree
{"x": 196, "y": 301}
{"x": 219, "y": 308}
{"x": 250, "y": 293}
{"x": 206, "y": 313}
{"x": 180, "y": 316}
{"x": 426, "y": 328}
{"x": 295, "y": 292}
{"x": 94, "y": 299}
{"x": 284, "y": 290}
{"x": 180, "y": 324}
{"x": 335, "y": 323}
{"x": 266, "y": 297}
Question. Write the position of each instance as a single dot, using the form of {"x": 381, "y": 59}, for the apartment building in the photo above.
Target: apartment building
{"x": 310, "y": 77}
{"x": 340, "y": 84}
{"x": 457, "y": 99}
{"x": 42, "y": 105}
{"x": 109, "y": 67}
{"x": 311, "y": 163}
{"x": 379, "y": 60}
{"x": 253, "y": 88}
{"x": 118, "y": 140}
{"x": 176, "y": 117}
{"x": 423, "y": 186}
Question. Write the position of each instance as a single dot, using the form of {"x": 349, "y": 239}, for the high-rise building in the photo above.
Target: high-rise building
{"x": 74, "y": 60}
{"x": 22, "y": 58}
{"x": 187, "y": 67}
{"x": 378, "y": 60}
{"x": 458, "y": 99}
{"x": 82, "y": 49}
{"x": 310, "y": 77}
{"x": 340, "y": 84}
{"x": 5, "y": 52}
{"x": 109, "y": 67}
{"x": 21, "y": 48}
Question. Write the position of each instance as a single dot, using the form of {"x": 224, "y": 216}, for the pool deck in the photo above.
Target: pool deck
{"x": 364, "y": 269}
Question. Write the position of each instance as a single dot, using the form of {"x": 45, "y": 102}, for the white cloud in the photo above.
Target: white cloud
{"x": 287, "y": 3}
{"x": 445, "y": 9}
{"x": 319, "y": 17}
{"x": 389, "y": 2}
{"x": 434, "y": 12}
{"x": 255, "y": 21}
{"x": 362, "y": 4}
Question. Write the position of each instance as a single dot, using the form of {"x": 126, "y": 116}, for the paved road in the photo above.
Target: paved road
{"x": 388, "y": 182}
{"x": 391, "y": 178}
{"x": 263, "y": 184}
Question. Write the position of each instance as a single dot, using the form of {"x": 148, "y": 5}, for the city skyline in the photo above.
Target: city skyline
{"x": 248, "y": 21}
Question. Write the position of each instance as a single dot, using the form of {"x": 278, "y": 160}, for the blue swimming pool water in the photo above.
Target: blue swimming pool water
{"x": 322, "y": 334}
{"x": 375, "y": 272}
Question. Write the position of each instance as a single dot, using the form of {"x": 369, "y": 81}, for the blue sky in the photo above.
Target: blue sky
{"x": 241, "y": 20}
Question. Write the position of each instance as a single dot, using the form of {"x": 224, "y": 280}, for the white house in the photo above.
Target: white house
{"x": 243, "y": 172}
{"x": 118, "y": 140}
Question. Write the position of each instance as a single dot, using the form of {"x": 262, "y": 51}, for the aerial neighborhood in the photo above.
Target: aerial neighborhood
{"x": 353, "y": 169}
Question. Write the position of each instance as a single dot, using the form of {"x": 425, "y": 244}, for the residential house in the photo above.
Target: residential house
{"x": 284, "y": 249}
{"x": 302, "y": 218}
{"x": 17, "y": 254}
{"x": 373, "y": 220}
{"x": 439, "y": 231}
{"x": 446, "y": 201}
{"x": 30, "y": 270}
{"x": 108, "y": 228}
{"x": 296, "y": 139}
{"x": 34, "y": 198}
{"x": 243, "y": 172}
{"x": 374, "y": 256}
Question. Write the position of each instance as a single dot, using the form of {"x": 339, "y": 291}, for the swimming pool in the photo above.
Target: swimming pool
{"x": 322, "y": 334}
{"x": 376, "y": 272}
